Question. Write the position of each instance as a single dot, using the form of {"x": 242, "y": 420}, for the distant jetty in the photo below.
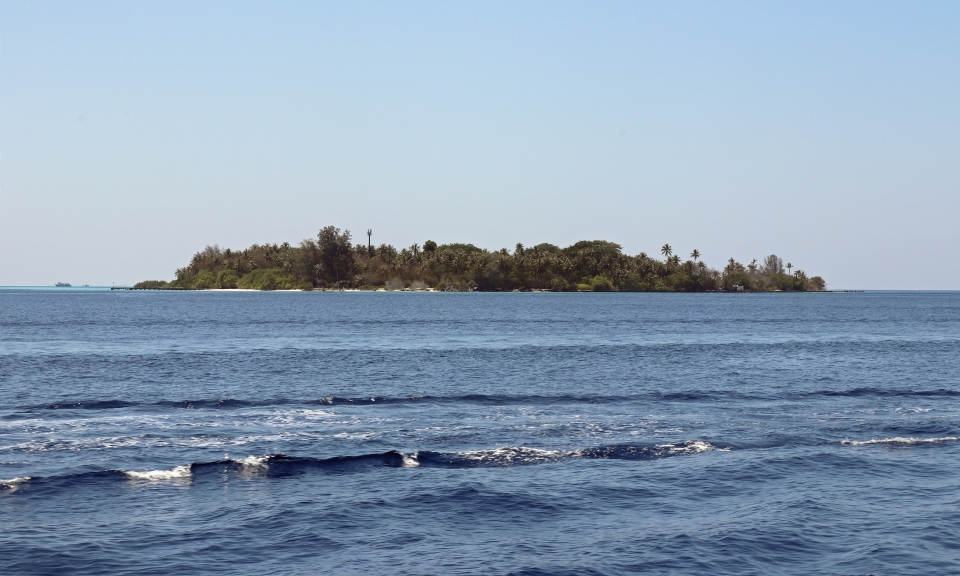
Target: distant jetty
{"x": 332, "y": 261}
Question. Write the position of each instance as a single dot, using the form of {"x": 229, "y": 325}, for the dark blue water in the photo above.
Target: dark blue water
{"x": 421, "y": 433}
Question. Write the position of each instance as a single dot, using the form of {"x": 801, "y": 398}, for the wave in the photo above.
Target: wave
{"x": 251, "y": 461}
{"x": 13, "y": 484}
{"x": 185, "y": 404}
{"x": 519, "y": 455}
{"x": 178, "y": 472}
{"x": 228, "y": 403}
{"x": 882, "y": 393}
{"x": 901, "y": 441}
{"x": 490, "y": 399}
{"x": 281, "y": 465}
{"x": 186, "y": 471}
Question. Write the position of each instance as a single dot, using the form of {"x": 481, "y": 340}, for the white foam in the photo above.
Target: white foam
{"x": 157, "y": 475}
{"x": 693, "y": 447}
{"x": 410, "y": 460}
{"x": 900, "y": 441}
{"x": 512, "y": 454}
{"x": 14, "y": 482}
{"x": 253, "y": 461}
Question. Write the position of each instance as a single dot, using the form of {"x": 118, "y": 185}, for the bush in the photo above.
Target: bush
{"x": 150, "y": 285}
{"x": 601, "y": 284}
{"x": 205, "y": 280}
{"x": 559, "y": 284}
{"x": 270, "y": 279}
{"x": 680, "y": 281}
{"x": 659, "y": 286}
{"x": 227, "y": 279}
{"x": 786, "y": 283}
{"x": 184, "y": 283}
{"x": 633, "y": 283}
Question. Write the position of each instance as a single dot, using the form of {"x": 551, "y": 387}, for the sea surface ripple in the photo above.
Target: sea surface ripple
{"x": 504, "y": 434}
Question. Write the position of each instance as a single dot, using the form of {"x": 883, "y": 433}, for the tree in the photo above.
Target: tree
{"x": 336, "y": 256}
{"x": 816, "y": 284}
{"x": 772, "y": 264}
{"x": 330, "y": 259}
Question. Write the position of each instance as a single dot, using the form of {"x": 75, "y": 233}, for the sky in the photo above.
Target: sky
{"x": 133, "y": 134}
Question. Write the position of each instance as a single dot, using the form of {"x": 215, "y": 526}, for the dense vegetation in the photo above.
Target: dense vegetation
{"x": 332, "y": 261}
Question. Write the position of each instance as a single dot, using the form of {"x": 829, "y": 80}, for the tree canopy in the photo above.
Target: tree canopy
{"x": 331, "y": 261}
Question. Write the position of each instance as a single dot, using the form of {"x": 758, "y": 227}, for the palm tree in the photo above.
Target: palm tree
{"x": 695, "y": 254}
{"x": 667, "y": 250}
{"x": 789, "y": 266}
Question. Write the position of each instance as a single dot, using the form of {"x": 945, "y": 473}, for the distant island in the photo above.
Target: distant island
{"x": 332, "y": 261}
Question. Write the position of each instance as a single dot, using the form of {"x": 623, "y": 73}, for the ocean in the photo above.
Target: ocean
{"x": 466, "y": 433}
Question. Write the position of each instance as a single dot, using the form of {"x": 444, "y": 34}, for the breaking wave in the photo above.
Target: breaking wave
{"x": 13, "y": 483}
{"x": 280, "y": 465}
{"x": 516, "y": 455}
{"x": 901, "y": 441}
{"x": 176, "y": 473}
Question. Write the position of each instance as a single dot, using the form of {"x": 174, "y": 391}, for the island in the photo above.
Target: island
{"x": 333, "y": 261}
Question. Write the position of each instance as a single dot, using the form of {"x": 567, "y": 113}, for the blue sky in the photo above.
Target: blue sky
{"x": 133, "y": 134}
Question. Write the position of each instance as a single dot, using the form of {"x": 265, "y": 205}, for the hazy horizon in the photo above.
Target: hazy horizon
{"x": 134, "y": 134}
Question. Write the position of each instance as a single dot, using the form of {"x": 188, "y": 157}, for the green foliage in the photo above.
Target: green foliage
{"x": 205, "y": 280}
{"x": 600, "y": 284}
{"x": 680, "y": 282}
{"x": 601, "y": 246}
{"x": 183, "y": 282}
{"x": 560, "y": 284}
{"x": 331, "y": 261}
{"x": 468, "y": 248}
{"x": 547, "y": 248}
{"x": 270, "y": 279}
{"x": 150, "y": 285}
{"x": 633, "y": 282}
{"x": 661, "y": 286}
{"x": 336, "y": 259}
{"x": 227, "y": 279}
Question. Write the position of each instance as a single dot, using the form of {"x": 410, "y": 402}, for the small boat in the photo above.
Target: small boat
{"x": 62, "y": 285}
